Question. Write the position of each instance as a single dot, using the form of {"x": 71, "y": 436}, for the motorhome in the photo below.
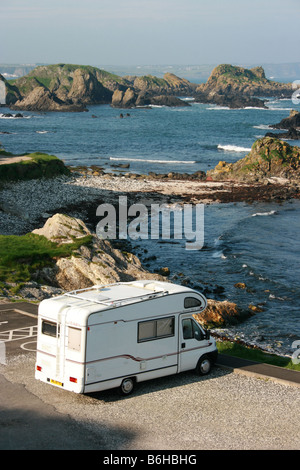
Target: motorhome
{"x": 120, "y": 334}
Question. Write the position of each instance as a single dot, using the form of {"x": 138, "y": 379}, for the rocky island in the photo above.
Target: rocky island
{"x": 67, "y": 87}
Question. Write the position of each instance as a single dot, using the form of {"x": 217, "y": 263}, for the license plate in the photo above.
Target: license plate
{"x": 55, "y": 382}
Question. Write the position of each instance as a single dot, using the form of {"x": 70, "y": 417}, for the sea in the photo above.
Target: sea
{"x": 257, "y": 244}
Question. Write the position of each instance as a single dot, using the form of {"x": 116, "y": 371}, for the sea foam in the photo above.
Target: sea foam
{"x": 233, "y": 148}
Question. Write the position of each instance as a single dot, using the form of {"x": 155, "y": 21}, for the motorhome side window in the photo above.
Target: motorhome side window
{"x": 155, "y": 329}
{"x": 49, "y": 328}
{"x": 190, "y": 302}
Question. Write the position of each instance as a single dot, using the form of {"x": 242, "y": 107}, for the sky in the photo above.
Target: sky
{"x": 133, "y": 32}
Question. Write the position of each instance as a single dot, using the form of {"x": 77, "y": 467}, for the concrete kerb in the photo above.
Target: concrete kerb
{"x": 259, "y": 370}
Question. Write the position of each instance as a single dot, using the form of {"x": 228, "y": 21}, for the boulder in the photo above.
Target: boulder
{"x": 124, "y": 99}
{"x": 63, "y": 229}
{"x": 220, "y": 314}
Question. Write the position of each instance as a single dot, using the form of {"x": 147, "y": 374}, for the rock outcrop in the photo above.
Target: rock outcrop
{"x": 220, "y": 314}
{"x": 230, "y": 100}
{"x": 269, "y": 157}
{"x": 41, "y": 99}
{"x": 124, "y": 99}
{"x": 86, "y": 89}
{"x": 131, "y": 99}
{"x": 227, "y": 80}
{"x": 291, "y": 122}
{"x": 99, "y": 263}
{"x": 64, "y": 87}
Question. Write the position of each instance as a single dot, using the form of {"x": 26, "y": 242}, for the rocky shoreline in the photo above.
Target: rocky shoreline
{"x": 26, "y": 204}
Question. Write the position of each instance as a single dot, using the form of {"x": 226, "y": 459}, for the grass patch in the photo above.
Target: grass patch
{"x": 21, "y": 256}
{"x": 40, "y": 165}
{"x": 244, "y": 352}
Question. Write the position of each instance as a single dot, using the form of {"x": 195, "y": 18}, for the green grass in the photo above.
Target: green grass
{"x": 40, "y": 165}
{"x": 21, "y": 256}
{"x": 238, "y": 350}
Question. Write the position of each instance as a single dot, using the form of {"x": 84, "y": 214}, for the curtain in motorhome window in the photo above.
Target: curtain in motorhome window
{"x": 155, "y": 329}
{"x": 147, "y": 330}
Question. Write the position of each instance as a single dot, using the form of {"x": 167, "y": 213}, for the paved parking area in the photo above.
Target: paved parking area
{"x": 18, "y": 330}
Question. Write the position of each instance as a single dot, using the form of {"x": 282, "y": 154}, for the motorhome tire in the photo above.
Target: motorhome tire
{"x": 127, "y": 386}
{"x": 204, "y": 365}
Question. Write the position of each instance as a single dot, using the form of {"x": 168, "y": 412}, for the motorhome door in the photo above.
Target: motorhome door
{"x": 192, "y": 342}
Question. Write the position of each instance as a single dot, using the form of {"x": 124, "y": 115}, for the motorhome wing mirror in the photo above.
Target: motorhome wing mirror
{"x": 207, "y": 334}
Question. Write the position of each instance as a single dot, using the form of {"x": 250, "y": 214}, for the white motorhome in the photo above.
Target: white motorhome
{"x": 121, "y": 334}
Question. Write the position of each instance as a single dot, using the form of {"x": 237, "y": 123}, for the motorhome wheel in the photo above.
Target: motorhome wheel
{"x": 127, "y": 386}
{"x": 204, "y": 365}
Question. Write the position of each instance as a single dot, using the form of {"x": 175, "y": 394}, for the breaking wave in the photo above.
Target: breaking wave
{"x": 264, "y": 213}
{"x": 233, "y": 148}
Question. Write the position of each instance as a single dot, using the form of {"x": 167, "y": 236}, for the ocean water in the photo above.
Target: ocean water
{"x": 257, "y": 244}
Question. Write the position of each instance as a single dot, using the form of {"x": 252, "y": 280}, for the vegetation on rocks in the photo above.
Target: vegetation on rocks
{"x": 63, "y": 254}
{"x": 269, "y": 157}
{"x": 21, "y": 257}
{"x": 229, "y": 79}
{"x": 70, "y": 87}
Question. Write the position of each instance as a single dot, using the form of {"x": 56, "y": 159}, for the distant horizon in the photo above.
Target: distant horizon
{"x": 137, "y": 64}
{"x": 195, "y": 73}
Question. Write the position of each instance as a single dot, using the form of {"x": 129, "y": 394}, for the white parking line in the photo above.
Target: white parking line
{"x": 20, "y": 333}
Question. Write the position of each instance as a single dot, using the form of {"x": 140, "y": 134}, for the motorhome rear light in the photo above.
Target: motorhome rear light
{"x": 72, "y": 379}
{"x": 39, "y": 368}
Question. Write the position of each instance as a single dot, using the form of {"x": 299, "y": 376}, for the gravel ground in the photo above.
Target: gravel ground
{"x": 223, "y": 411}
